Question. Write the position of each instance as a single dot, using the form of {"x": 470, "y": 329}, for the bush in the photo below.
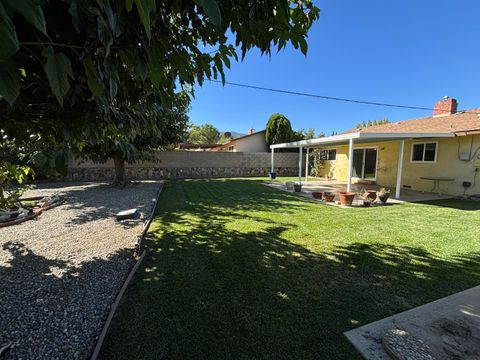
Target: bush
{"x": 10, "y": 176}
{"x": 14, "y": 170}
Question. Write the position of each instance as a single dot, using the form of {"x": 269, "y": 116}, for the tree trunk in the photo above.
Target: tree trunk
{"x": 120, "y": 178}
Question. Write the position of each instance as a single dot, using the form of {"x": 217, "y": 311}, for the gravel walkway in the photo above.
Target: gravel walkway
{"x": 61, "y": 272}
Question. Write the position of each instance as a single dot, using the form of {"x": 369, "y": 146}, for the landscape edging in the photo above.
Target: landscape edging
{"x": 116, "y": 303}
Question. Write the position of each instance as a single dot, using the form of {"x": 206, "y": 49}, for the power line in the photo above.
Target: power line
{"x": 324, "y": 97}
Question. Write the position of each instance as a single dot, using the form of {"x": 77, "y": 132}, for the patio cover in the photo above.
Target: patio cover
{"x": 351, "y": 139}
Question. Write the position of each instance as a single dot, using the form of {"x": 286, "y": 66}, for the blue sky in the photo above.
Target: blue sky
{"x": 407, "y": 52}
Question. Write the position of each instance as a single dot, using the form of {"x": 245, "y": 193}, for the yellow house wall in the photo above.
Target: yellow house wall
{"x": 447, "y": 165}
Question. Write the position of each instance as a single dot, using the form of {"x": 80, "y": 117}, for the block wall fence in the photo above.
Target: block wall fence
{"x": 190, "y": 164}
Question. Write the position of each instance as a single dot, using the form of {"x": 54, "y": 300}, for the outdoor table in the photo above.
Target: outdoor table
{"x": 436, "y": 181}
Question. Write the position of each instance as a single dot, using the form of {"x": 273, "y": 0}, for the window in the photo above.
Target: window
{"x": 424, "y": 152}
{"x": 231, "y": 148}
{"x": 328, "y": 154}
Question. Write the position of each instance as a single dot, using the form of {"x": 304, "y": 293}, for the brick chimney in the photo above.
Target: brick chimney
{"x": 251, "y": 131}
{"x": 447, "y": 106}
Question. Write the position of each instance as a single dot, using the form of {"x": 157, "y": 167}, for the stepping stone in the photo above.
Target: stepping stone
{"x": 127, "y": 214}
{"x": 401, "y": 345}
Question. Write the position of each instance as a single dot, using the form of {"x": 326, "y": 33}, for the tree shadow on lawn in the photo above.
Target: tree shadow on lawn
{"x": 207, "y": 290}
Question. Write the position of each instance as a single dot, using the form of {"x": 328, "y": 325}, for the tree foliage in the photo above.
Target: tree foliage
{"x": 74, "y": 72}
{"x": 303, "y": 134}
{"x": 278, "y": 130}
{"x": 366, "y": 124}
{"x": 225, "y": 138}
{"x": 203, "y": 134}
{"x": 71, "y": 45}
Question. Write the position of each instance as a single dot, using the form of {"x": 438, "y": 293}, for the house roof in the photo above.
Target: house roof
{"x": 243, "y": 137}
{"x": 460, "y": 123}
{"x": 248, "y": 135}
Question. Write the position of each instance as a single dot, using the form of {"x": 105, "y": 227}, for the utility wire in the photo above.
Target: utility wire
{"x": 356, "y": 101}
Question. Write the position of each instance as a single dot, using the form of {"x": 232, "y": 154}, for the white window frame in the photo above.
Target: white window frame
{"x": 231, "y": 148}
{"x": 423, "y": 156}
{"x": 336, "y": 153}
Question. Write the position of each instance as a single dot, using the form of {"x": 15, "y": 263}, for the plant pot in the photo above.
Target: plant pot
{"x": 317, "y": 194}
{"x": 272, "y": 175}
{"x": 297, "y": 187}
{"x": 346, "y": 198}
{"x": 328, "y": 197}
{"x": 370, "y": 194}
{"x": 383, "y": 198}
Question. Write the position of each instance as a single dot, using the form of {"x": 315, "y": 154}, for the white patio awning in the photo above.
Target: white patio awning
{"x": 356, "y": 138}
{"x": 359, "y": 137}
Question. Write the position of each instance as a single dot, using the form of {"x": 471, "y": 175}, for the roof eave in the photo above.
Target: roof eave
{"x": 360, "y": 135}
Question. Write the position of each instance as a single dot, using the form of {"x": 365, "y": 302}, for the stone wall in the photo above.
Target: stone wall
{"x": 189, "y": 164}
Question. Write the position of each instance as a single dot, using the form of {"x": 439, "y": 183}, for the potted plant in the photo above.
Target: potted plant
{"x": 369, "y": 194}
{"x": 272, "y": 175}
{"x": 317, "y": 194}
{"x": 346, "y": 198}
{"x": 363, "y": 194}
{"x": 328, "y": 196}
{"x": 297, "y": 187}
{"x": 383, "y": 195}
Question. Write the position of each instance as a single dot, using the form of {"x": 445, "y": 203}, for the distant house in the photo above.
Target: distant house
{"x": 438, "y": 153}
{"x": 253, "y": 142}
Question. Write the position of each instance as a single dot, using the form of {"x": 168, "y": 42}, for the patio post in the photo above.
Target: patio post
{"x": 272, "y": 169}
{"x": 306, "y": 165}
{"x": 300, "y": 153}
{"x": 350, "y": 164}
{"x": 399, "y": 169}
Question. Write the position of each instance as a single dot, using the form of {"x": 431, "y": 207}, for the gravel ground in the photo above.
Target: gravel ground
{"x": 60, "y": 273}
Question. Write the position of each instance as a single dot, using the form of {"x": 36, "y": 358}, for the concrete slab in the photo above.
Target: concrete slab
{"x": 450, "y": 327}
{"x": 335, "y": 186}
{"x": 127, "y": 214}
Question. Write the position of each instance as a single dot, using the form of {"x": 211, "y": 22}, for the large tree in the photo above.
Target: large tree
{"x": 203, "y": 134}
{"x": 71, "y": 70}
{"x": 144, "y": 126}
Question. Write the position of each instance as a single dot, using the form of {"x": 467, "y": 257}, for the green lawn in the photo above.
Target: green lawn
{"x": 237, "y": 270}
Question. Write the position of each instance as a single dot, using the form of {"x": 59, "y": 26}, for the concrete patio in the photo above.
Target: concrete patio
{"x": 448, "y": 327}
{"x": 335, "y": 186}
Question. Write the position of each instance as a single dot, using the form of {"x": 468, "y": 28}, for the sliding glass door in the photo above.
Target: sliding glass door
{"x": 365, "y": 163}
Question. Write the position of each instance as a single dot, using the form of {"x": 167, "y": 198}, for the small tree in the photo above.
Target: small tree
{"x": 278, "y": 130}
